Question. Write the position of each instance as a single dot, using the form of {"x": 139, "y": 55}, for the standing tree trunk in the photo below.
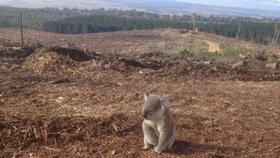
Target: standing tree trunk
{"x": 275, "y": 34}
{"x": 238, "y": 32}
{"x": 276, "y": 38}
{"x": 21, "y": 30}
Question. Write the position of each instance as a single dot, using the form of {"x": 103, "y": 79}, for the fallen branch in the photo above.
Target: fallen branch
{"x": 52, "y": 149}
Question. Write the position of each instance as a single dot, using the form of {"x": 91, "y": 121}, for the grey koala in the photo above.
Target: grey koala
{"x": 158, "y": 124}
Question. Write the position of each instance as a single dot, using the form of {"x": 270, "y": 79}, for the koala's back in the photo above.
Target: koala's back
{"x": 168, "y": 120}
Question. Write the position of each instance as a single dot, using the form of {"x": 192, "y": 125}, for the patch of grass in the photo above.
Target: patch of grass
{"x": 230, "y": 50}
{"x": 199, "y": 48}
{"x": 201, "y": 54}
{"x": 261, "y": 55}
{"x": 186, "y": 53}
{"x": 227, "y": 50}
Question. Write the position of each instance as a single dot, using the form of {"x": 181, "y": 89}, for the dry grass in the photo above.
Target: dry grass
{"x": 213, "y": 46}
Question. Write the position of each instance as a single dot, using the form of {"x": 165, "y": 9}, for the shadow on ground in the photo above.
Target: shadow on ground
{"x": 186, "y": 148}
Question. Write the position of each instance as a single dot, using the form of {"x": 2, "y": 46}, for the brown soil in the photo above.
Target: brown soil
{"x": 128, "y": 42}
{"x": 125, "y": 42}
{"x": 58, "y": 102}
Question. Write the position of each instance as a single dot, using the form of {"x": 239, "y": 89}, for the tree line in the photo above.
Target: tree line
{"x": 75, "y": 21}
{"x": 106, "y": 23}
{"x": 259, "y": 32}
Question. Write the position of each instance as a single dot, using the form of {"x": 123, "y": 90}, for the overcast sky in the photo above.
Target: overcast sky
{"x": 258, "y": 4}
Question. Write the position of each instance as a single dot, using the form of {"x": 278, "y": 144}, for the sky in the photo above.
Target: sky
{"x": 256, "y": 4}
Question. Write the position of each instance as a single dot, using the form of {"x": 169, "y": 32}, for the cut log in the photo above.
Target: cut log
{"x": 239, "y": 64}
{"x": 271, "y": 65}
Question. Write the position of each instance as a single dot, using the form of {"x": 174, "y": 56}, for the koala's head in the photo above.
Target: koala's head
{"x": 154, "y": 107}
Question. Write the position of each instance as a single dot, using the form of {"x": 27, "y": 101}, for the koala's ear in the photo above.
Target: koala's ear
{"x": 164, "y": 101}
{"x": 146, "y": 95}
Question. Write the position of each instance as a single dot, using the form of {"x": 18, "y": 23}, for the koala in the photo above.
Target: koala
{"x": 158, "y": 124}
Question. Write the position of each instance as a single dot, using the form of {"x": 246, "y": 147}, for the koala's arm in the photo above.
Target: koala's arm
{"x": 166, "y": 134}
{"x": 164, "y": 140}
{"x": 149, "y": 135}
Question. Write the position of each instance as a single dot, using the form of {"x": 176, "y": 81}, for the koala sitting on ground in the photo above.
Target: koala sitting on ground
{"x": 158, "y": 125}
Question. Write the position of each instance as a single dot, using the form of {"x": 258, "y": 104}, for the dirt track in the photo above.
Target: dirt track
{"x": 57, "y": 104}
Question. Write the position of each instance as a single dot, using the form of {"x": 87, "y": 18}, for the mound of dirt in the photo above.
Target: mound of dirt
{"x": 72, "y": 53}
{"x": 53, "y": 59}
{"x": 67, "y": 60}
{"x": 124, "y": 64}
{"x": 216, "y": 71}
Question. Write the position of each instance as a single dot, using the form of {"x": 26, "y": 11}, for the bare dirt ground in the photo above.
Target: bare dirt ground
{"x": 132, "y": 42}
{"x": 64, "y": 102}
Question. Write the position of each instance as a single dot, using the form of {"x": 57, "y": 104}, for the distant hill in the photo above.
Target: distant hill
{"x": 75, "y": 21}
{"x": 155, "y": 6}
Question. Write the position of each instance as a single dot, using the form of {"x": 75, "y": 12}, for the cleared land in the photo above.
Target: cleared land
{"x": 63, "y": 102}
